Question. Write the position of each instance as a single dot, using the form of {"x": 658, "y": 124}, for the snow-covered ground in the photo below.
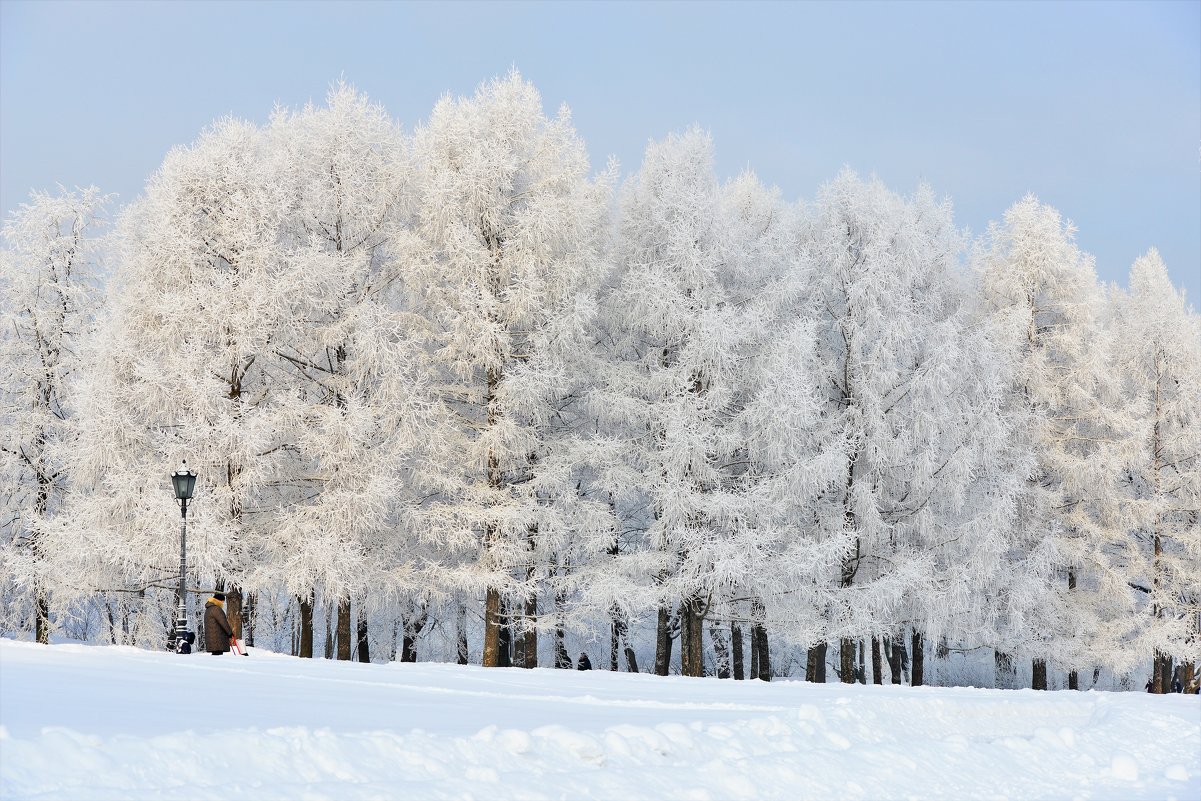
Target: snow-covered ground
{"x": 90, "y": 722}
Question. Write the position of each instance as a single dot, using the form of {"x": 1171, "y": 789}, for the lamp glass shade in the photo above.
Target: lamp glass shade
{"x": 184, "y": 482}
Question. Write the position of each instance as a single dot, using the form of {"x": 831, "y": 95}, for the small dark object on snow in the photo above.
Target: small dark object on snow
{"x": 584, "y": 663}
{"x": 183, "y": 643}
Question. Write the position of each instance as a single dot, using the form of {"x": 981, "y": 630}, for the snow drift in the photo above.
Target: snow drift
{"x": 91, "y": 722}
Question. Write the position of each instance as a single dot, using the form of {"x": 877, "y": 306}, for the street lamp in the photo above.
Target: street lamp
{"x": 184, "y": 482}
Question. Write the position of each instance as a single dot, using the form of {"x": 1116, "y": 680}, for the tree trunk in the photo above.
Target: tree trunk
{"x": 408, "y": 641}
{"x": 685, "y": 640}
{"x": 491, "y": 656}
{"x": 663, "y": 642}
{"x": 344, "y": 641}
{"x": 614, "y": 644}
{"x": 877, "y": 668}
{"x": 461, "y": 634}
{"x": 846, "y": 660}
{"x": 762, "y": 656}
{"x": 815, "y": 665}
{"x": 721, "y": 651}
{"x": 504, "y": 655}
{"x": 411, "y": 625}
{"x": 631, "y": 660}
{"x": 1038, "y": 678}
{"x": 860, "y": 670}
{"x": 305, "y": 645}
{"x": 754, "y": 651}
{"x": 917, "y": 678}
{"x": 850, "y": 565}
{"x": 617, "y": 635}
{"x": 691, "y": 638}
{"x": 112, "y": 622}
{"x": 1073, "y": 678}
{"x": 1162, "y": 676}
{"x": 330, "y": 642}
{"x": 696, "y": 638}
{"x": 1188, "y": 676}
{"x": 850, "y": 562}
{"x": 562, "y": 658}
{"x": 41, "y": 602}
{"x": 249, "y": 617}
{"x": 527, "y": 644}
{"x": 364, "y": 649}
{"x": 125, "y": 638}
{"x": 1161, "y": 665}
{"x": 897, "y": 658}
{"x": 617, "y": 626}
{"x": 41, "y": 618}
{"x": 494, "y": 641}
{"x": 736, "y": 651}
{"x": 1004, "y": 671}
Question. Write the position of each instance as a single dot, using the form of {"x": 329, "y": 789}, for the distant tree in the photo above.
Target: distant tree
{"x": 910, "y": 392}
{"x": 1157, "y": 342}
{"x": 48, "y": 298}
{"x": 1043, "y": 307}
{"x": 183, "y": 367}
{"x": 506, "y": 250}
{"x": 689, "y": 321}
{"x": 347, "y": 353}
{"x": 785, "y": 459}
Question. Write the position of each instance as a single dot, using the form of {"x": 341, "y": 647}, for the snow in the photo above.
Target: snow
{"x": 95, "y": 722}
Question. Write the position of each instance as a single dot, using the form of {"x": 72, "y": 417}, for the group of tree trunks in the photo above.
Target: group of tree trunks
{"x": 519, "y": 648}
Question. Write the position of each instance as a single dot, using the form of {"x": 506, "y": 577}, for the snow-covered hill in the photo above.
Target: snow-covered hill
{"x": 88, "y": 722}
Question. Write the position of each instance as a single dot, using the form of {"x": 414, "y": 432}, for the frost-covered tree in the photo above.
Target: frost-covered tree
{"x": 1043, "y": 303}
{"x": 785, "y": 458}
{"x": 183, "y": 368}
{"x": 698, "y": 327}
{"x": 347, "y": 353}
{"x": 910, "y": 392}
{"x": 506, "y": 250}
{"x": 1157, "y": 343}
{"x": 678, "y": 319}
{"x": 48, "y": 299}
{"x": 417, "y": 371}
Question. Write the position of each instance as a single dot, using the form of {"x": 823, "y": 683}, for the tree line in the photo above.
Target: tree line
{"x": 465, "y": 396}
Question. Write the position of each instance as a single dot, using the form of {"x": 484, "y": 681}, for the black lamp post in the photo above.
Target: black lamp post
{"x": 184, "y": 482}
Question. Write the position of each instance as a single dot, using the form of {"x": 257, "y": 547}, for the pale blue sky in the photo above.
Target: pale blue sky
{"x": 1096, "y": 108}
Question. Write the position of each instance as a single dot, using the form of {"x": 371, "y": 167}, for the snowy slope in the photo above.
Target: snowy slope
{"x": 88, "y": 722}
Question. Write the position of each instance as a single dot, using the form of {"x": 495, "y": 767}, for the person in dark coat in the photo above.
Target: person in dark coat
{"x": 217, "y": 630}
{"x": 585, "y": 663}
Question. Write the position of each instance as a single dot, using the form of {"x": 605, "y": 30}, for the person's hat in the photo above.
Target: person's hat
{"x": 220, "y": 596}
